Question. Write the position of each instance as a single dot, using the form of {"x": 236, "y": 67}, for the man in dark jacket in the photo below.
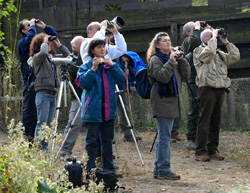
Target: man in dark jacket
{"x": 27, "y": 29}
{"x": 192, "y": 30}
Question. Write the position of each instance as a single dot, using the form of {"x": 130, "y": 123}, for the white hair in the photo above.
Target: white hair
{"x": 75, "y": 40}
{"x": 205, "y": 34}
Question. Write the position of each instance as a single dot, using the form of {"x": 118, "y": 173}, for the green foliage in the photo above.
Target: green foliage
{"x": 239, "y": 190}
{"x": 6, "y": 8}
{"x": 199, "y": 3}
{"x": 29, "y": 169}
{"x": 43, "y": 187}
{"x": 143, "y": 1}
{"x": 113, "y": 7}
{"x": 144, "y": 125}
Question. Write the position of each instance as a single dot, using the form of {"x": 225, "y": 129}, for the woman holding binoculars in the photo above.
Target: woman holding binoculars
{"x": 97, "y": 78}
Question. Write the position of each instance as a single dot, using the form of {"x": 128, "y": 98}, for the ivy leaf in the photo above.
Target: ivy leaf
{"x": 44, "y": 188}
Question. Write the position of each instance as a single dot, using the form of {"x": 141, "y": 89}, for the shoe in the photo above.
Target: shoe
{"x": 216, "y": 157}
{"x": 202, "y": 158}
{"x": 116, "y": 167}
{"x": 129, "y": 138}
{"x": 65, "y": 157}
{"x": 118, "y": 175}
{"x": 176, "y": 138}
{"x": 190, "y": 145}
{"x": 155, "y": 176}
{"x": 171, "y": 176}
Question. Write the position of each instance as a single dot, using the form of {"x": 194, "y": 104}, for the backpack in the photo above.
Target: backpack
{"x": 74, "y": 169}
{"x": 109, "y": 178}
{"x": 142, "y": 84}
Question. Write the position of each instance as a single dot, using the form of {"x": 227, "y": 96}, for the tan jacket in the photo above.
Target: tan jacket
{"x": 211, "y": 67}
{"x": 167, "y": 107}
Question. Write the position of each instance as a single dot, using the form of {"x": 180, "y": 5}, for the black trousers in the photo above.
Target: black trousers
{"x": 193, "y": 112}
{"x": 207, "y": 136}
{"x": 29, "y": 118}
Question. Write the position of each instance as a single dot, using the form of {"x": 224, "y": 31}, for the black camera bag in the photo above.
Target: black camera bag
{"x": 109, "y": 178}
{"x": 74, "y": 169}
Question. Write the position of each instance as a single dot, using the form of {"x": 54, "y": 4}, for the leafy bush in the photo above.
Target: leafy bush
{"x": 25, "y": 167}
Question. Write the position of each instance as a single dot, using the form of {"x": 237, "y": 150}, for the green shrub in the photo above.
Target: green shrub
{"x": 30, "y": 169}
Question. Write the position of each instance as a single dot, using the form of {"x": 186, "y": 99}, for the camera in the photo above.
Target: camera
{"x": 37, "y": 20}
{"x": 51, "y": 38}
{"x": 203, "y": 23}
{"x": 110, "y": 24}
{"x": 71, "y": 59}
{"x": 118, "y": 22}
{"x": 179, "y": 49}
{"x": 101, "y": 60}
{"x": 107, "y": 32}
{"x": 223, "y": 33}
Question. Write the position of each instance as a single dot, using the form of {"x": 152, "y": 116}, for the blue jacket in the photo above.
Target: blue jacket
{"x": 98, "y": 97}
{"x": 135, "y": 64}
{"x": 24, "y": 46}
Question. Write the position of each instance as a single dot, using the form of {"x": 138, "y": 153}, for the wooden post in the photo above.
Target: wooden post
{"x": 41, "y": 6}
{"x": 173, "y": 33}
{"x": 74, "y": 12}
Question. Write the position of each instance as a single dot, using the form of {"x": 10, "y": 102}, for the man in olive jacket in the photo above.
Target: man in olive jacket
{"x": 211, "y": 66}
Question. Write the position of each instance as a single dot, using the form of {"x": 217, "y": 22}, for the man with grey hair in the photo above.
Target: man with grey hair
{"x": 69, "y": 143}
{"x": 192, "y": 30}
{"x": 212, "y": 80}
{"x": 92, "y": 28}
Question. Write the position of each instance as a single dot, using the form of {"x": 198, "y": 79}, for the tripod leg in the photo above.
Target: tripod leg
{"x": 116, "y": 147}
{"x": 72, "y": 123}
{"x": 66, "y": 136}
{"x": 131, "y": 129}
{"x": 153, "y": 142}
{"x": 59, "y": 100}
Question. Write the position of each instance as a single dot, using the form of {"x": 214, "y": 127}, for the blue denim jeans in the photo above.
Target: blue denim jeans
{"x": 104, "y": 130}
{"x": 162, "y": 155}
{"x": 46, "y": 106}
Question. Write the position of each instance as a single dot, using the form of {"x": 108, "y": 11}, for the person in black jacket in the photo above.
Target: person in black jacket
{"x": 27, "y": 29}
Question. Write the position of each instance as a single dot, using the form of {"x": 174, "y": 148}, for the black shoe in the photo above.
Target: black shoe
{"x": 118, "y": 175}
{"x": 171, "y": 176}
{"x": 129, "y": 138}
{"x": 116, "y": 167}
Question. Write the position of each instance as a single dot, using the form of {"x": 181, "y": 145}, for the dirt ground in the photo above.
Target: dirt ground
{"x": 230, "y": 175}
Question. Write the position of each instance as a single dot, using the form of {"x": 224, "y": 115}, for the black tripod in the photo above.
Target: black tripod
{"x": 63, "y": 86}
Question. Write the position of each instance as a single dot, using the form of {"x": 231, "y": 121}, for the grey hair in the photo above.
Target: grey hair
{"x": 187, "y": 27}
{"x": 90, "y": 26}
{"x": 204, "y": 34}
{"x": 74, "y": 40}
